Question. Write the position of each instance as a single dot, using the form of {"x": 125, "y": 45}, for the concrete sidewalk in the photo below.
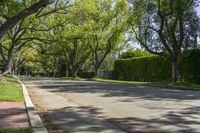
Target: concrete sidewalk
{"x": 13, "y": 115}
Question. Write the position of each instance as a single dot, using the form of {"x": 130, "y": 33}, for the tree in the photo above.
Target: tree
{"x": 9, "y": 21}
{"x": 25, "y": 31}
{"x": 66, "y": 40}
{"x": 10, "y": 44}
{"x": 106, "y": 25}
{"x": 161, "y": 27}
{"x": 70, "y": 41}
{"x": 90, "y": 29}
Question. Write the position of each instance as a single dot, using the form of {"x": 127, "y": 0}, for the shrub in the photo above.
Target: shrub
{"x": 190, "y": 70}
{"x": 150, "y": 68}
{"x": 134, "y": 53}
{"x": 86, "y": 74}
{"x": 156, "y": 68}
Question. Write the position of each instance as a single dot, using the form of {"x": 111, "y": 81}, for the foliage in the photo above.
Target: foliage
{"x": 13, "y": 11}
{"x": 108, "y": 23}
{"x": 10, "y": 8}
{"x": 25, "y": 35}
{"x": 190, "y": 70}
{"x": 151, "y": 68}
{"x": 70, "y": 37}
{"x": 158, "y": 68}
{"x": 127, "y": 54}
{"x": 166, "y": 27}
{"x": 108, "y": 64}
{"x": 82, "y": 36}
{"x": 86, "y": 74}
{"x": 134, "y": 53}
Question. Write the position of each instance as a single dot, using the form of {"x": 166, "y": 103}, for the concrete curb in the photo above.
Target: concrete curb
{"x": 35, "y": 120}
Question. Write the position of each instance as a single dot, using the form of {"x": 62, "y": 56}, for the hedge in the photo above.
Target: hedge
{"x": 156, "y": 68}
{"x": 190, "y": 66}
{"x": 152, "y": 68}
{"x": 86, "y": 74}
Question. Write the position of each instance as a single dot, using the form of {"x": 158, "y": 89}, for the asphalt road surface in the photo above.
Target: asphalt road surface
{"x": 94, "y": 107}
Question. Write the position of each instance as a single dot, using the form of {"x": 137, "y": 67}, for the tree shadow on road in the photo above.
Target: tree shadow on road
{"x": 118, "y": 90}
{"x": 90, "y": 119}
{"x": 78, "y": 119}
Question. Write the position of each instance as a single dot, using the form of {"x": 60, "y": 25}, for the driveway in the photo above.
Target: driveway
{"x": 95, "y": 107}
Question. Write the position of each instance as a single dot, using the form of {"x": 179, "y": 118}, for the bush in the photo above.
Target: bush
{"x": 86, "y": 74}
{"x": 156, "y": 68}
{"x": 190, "y": 70}
{"x": 134, "y": 53}
{"x": 152, "y": 68}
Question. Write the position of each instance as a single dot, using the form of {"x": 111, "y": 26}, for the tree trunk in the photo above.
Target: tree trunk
{"x": 1, "y": 77}
{"x": 54, "y": 73}
{"x": 8, "y": 67}
{"x": 67, "y": 71}
{"x": 9, "y": 61}
{"x": 176, "y": 67}
{"x": 96, "y": 71}
{"x": 74, "y": 72}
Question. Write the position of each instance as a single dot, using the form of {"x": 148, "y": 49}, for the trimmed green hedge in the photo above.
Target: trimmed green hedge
{"x": 156, "y": 68}
{"x": 152, "y": 68}
{"x": 86, "y": 74}
{"x": 190, "y": 66}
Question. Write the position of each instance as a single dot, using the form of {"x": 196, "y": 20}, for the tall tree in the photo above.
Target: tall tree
{"x": 107, "y": 23}
{"x": 26, "y": 30}
{"x": 162, "y": 27}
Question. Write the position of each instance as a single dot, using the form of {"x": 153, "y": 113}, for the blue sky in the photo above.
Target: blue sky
{"x": 198, "y": 10}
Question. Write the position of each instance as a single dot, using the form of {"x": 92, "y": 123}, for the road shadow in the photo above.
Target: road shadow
{"x": 183, "y": 119}
{"x": 88, "y": 119}
{"x": 172, "y": 122}
{"x": 78, "y": 119}
{"x": 115, "y": 90}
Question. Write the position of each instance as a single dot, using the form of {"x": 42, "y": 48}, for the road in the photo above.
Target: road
{"x": 94, "y": 107}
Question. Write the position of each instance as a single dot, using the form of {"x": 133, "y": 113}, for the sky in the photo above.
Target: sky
{"x": 198, "y": 10}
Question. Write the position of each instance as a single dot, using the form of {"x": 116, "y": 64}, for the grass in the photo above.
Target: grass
{"x": 10, "y": 90}
{"x": 167, "y": 84}
{"x": 185, "y": 85}
{"x": 27, "y": 130}
{"x": 123, "y": 82}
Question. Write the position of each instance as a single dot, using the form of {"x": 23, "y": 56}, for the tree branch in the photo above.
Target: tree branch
{"x": 9, "y": 23}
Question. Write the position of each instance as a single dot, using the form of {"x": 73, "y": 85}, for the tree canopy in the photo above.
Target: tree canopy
{"x": 64, "y": 37}
{"x": 166, "y": 27}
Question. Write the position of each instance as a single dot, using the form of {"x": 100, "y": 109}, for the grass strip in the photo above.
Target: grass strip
{"x": 10, "y": 89}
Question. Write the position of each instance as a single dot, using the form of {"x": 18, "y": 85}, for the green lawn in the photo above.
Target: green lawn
{"x": 185, "y": 85}
{"x": 10, "y": 90}
{"x": 178, "y": 85}
{"x": 123, "y": 82}
{"x": 28, "y": 130}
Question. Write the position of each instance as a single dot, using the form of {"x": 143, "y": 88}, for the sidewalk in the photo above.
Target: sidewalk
{"x": 13, "y": 115}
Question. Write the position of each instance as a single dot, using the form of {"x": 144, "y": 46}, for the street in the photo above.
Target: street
{"x": 95, "y": 107}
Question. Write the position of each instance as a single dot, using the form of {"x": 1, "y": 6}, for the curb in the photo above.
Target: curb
{"x": 35, "y": 120}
